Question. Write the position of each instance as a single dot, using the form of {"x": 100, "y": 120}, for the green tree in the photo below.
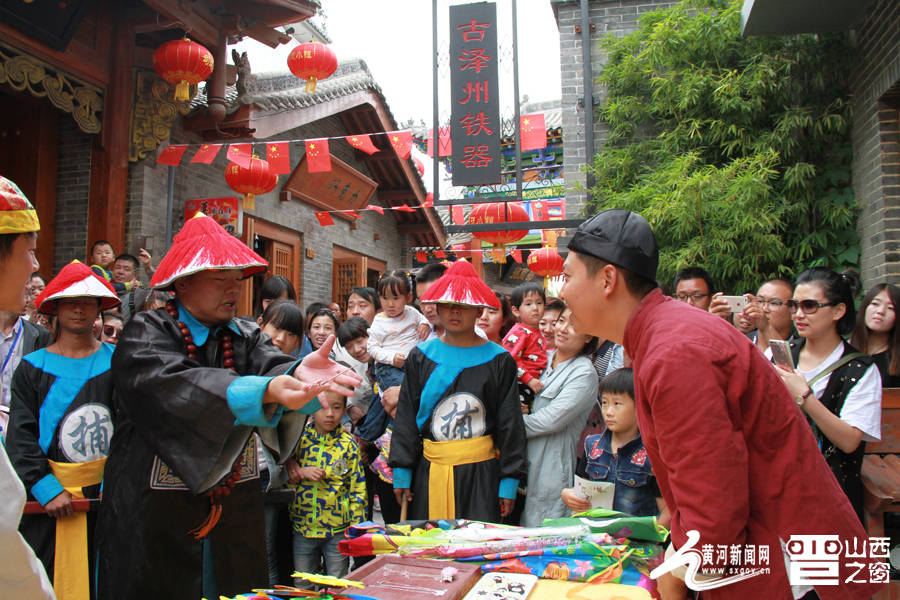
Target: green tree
{"x": 735, "y": 149}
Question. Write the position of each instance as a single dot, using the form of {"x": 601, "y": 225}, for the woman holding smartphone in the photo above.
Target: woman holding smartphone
{"x": 838, "y": 387}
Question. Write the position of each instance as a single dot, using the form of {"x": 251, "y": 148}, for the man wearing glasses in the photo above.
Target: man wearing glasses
{"x": 694, "y": 286}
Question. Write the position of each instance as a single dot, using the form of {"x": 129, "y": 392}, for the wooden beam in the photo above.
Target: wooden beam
{"x": 378, "y": 156}
{"x": 395, "y": 195}
{"x": 413, "y": 228}
{"x": 204, "y": 28}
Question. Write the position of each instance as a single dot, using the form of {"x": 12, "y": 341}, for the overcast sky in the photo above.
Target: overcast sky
{"x": 393, "y": 37}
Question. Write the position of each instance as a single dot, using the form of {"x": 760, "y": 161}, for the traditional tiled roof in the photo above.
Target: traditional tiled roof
{"x": 283, "y": 91}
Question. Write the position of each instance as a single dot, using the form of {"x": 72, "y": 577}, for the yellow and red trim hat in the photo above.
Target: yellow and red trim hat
{"x": 17, "y": 215}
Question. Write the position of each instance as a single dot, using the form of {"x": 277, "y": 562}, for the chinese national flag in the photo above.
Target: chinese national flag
{"x": 279, "y": 156}
{"x": 532, "y": 131}
{"x": 239, "y": 154}
{"x": 318, "y": 159}
{"x": 378, "y": 209}
{"x": 445, "y": 147}
{"x": 456, "y": 214}
{"x": 421, "y": 257}
{"x": 362, "y": 142}
{"x": 405, "y": 208}
{"x": 429, "y": 200}
{"x": 517, "y": 255}
{"x": 171, "y": 155}
{"x": 440, "y": 254}
{"x": 324, "y": 219}
{"x": 401, "y": 141}
{"x": 207, "y": 154}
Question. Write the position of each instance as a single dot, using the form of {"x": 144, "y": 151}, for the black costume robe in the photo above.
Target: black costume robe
{"x": 177, "y": 438}
{"x": 468, "y": 402}
{"x": 59, "y": 410}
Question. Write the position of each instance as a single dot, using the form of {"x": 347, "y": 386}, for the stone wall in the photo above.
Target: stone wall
{"x": 876, "y": 141}
{"x": 147, "y": 203}
{"x": 613, "y": 17}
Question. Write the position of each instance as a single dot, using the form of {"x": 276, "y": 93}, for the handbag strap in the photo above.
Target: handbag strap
{"x": 834, "y": 366}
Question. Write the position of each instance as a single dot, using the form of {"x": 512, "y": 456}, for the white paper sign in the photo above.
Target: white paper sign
{"x": 598, "y": 493}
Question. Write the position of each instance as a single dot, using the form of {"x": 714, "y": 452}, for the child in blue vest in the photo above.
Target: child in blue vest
{"x": 618, "y": 455}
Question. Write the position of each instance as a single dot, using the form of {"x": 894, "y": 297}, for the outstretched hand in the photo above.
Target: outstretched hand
{"x": 318, "y": 371}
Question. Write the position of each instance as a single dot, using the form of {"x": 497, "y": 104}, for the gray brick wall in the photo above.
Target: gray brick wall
{"x": 876, "y": 157}
{"x": 72, "y": 190}
{"x": 147, "y": 202}
{"x": 609, "y": 17}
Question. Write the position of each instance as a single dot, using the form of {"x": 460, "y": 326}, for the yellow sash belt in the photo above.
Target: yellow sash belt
{"x": 71, "y": 579}
{"x": 443, "y": 456}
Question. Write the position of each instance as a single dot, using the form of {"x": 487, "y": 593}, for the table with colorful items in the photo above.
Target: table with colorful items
{"x": 597, "y": 555}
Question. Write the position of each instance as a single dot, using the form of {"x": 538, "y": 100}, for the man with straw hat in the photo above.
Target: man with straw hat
{"x": 458, "y": 442}
{"x": 182, "y": 513}
{"x": 61, "y": 425}
{"x": 21, "y": 574}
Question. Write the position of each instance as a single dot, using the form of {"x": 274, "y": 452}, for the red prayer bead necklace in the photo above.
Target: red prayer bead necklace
{"x": 222, "y": 490}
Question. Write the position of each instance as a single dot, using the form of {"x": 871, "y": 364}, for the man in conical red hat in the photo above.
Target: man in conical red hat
{"x": 182, "y": 513}
{"x": 21, "y": 574}
{"x": 61, "y": 425}
{"x": 458, "y": 444}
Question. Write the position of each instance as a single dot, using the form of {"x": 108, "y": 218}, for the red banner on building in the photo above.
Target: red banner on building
{"x": 474, "y": 94}
{"x": 225, "y": 211}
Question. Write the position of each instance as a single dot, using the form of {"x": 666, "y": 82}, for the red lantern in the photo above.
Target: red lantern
{"x": 252, "y": 181}
{"x": 312, "y": 61}
{"x": 499, "y": 212}
{"x": 183, "y": 63}
{"x": 545, "y": 262}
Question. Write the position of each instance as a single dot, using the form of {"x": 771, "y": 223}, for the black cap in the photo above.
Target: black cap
{"x": 620, "y": 237}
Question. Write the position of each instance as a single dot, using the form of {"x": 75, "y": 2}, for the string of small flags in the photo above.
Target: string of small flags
{"x": 532, "y": 137}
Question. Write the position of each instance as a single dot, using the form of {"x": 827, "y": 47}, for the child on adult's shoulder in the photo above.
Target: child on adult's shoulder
{"x": 331, "y": 489}
{"x": 396, "y": 330}
{"x": 524, "y": 341}
{"x": 618, "y": 455}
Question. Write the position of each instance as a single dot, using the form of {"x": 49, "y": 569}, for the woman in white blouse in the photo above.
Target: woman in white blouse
{"x": 837, "y": 387}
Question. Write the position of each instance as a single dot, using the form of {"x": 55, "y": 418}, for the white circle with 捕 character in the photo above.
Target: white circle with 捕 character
{"x": 459, "y": 416}
{"x": 86, "y": 432}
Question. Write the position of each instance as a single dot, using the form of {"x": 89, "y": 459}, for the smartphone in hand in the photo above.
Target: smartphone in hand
{"x": 781, "y": 354}
{"x": 736, "y": 304}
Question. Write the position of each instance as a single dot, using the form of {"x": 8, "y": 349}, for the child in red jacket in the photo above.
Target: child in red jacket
{"x": 524, "y": 341}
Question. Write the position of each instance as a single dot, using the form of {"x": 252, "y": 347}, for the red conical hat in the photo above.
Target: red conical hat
{"x": 460, "y": 284}
{"x": 76, "y": 280}
{"x": 17, "y": 215}
{"x": 203, "y": 245}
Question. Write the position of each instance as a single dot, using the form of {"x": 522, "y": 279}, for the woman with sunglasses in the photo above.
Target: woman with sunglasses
{"x": 837, "y": 387}
{"x": 876, "y": 331}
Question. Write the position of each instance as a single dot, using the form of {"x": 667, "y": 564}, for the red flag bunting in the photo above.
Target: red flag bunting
{"x": 440, "y": 254}
{"x": 401, "y": 141}
{"x": 324, "y": 219}
{"x": 171, "y": 155}
{"x": 378, "y": 209}
{"x": 318, "y": 156}
{"x": 352, "y": 213}
{"x": 362, "y": 142}
{"x": 240, "y": 154}
{"x": 207, "y": 154}
{"x": 404, "y": 208}
{"x": 456, "y": 214}
{"x": 279, "y": 156}
{"x": 445, "y": 147}
{"x": 517, "y": 255}
{"x": 429, "y": 200}
{"x": 532, "y": 132}
{"x": 421, "y": 257}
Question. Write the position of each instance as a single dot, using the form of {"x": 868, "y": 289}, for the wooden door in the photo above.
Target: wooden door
{"x": 282, "y": 262}
{"x": 346, "y": 274}
{"x": 281, "y": 247}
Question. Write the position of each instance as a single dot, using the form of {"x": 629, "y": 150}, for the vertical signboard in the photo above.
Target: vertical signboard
{"x": 475, "y": 94}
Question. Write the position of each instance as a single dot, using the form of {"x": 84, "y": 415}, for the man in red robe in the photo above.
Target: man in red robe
{"x": 735, "y": 459}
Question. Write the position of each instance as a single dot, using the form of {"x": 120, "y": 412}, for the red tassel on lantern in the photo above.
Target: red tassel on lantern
{"x": 183, "y": 63}
{"x": 312, "y": 61}
{"x": 499, "y": 212}
{"x": 251, "y": 181}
